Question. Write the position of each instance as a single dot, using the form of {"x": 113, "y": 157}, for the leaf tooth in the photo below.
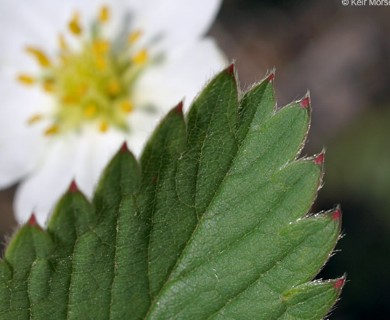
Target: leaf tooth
{"x": 33, "y": 220}
{"x": 270, "y": 77}
{"x": 305, "y": 103}
{"x": 73, "y": 188}
{"x": 337, "y": 213}
{"x": 124, "y": 148}
{"x": 230, "y": 69}
{"x": 320, "y": 158}
{"x": 339, "y": 283}
{"x": 179, "y": 108}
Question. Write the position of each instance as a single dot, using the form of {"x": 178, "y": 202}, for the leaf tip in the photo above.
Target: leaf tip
{"x": 73, "y": 188}
{"x": 179, "y": 108}
{"x": 271, "y": 76}
{"x": 339, "y": 283}
{"x": 32, "y": 221}
{"x": 305, "y": 102}
{"x": 320, "y": 158}
{"x": 230, "y": 69}
{"x": 124, "y": 148}
{"x": 337, "y": 213}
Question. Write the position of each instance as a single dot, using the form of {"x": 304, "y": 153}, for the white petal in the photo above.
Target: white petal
{"x": 176, "y": 21}
{"x": 182, "y": 75}
{"x": 40, "y": 191}
{"x": 141, "y": 123}
{"x": 21, "y": 145}
{"x": 80, "y": 157}
{"x": 97, "y": 149}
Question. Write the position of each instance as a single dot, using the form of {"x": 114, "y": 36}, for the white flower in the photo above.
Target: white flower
{"x": 77, "y": 78}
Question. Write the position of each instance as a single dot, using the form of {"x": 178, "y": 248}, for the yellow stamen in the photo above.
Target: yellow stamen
{"x": 34, "y": 119}
{"x": 141, "y": 57}
{"x": 101, "y": 47}
{"x": 74, "y": 24}
{"x": 134, "y": 36}
{"x": 103, "y": 126}
{"x": 90, "y": 110}
{"x": 39, "y": 55}
{"x": 113, "y": 88}
{"x": 104, "y": 14}
{"x": 69, "y": 99}
{"x": 52, "y": 130}
{"x": 48, "y": 86}
{"x": 101, "y": 63}
{"x": 62, "y": 42}
{"x": 26, "y": 79}
{"x": 82, "y": 89}
{"x": 127, "y": 106}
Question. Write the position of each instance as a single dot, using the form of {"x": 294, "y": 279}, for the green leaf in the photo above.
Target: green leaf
{"x": 213, "y": 223}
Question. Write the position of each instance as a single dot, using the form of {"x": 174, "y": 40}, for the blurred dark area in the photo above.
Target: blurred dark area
{"x": 342, "y": 54}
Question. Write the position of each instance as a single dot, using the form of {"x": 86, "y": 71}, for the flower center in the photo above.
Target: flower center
{"x": 91, "y": 84}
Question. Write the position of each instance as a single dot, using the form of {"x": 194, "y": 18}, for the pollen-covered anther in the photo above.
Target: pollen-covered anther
{"x": 101, "y": 47}
{"x": 141, "y": 57}
{"x": 134, "y": 36}
{"x": 52, "y": 130}
{"x": 34, "y": 119}
{"x": 104, "y": 14}
{"x": 320, "y": 159}
{"x": 126, "y": 106}
{"x": 26, "y": 79}
{"x": 62, "y": 42}
{"x": 48, "y": 86}
{"x": 103, "y": 127}
{"x": 74, "y": 24}
{"x": 113, "y": 88}
{"x": 42, "y": 59}
{"x": 90, "y": 110}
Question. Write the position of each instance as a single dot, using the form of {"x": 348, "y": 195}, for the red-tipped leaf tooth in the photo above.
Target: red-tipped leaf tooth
{"x": 320, "y": 158}
{"x": 230, "y": 69}
{"x": 179, "y": 108}
{"x": 337, "y": 213}
{"x": 73, "y": 188}
{"x": 271, "y": 76}
{"x": 339, "y": 283}
{"x": 305, "y": 102}
{"x": 32, "y": 221}
{"x": 124, "y": 148}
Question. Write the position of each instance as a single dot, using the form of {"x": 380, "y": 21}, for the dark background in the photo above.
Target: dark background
{"x": 342, "y": 54}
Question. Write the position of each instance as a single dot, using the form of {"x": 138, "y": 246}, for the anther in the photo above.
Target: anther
{"x": 40, "y": 56}
{"x": 26, "y": 79}
{"x": 126, "y": 106}
{"x": 134, "y": 36}
{"x": 90, "y": 110}
{"x": 141, "y": 57}
{"x": 74, "y": 24}
{"x": 52, "y": 130}
{"x": 103, "y": 127}
{"x": 34, "y": 119}
{"x": 104, "y": 14}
